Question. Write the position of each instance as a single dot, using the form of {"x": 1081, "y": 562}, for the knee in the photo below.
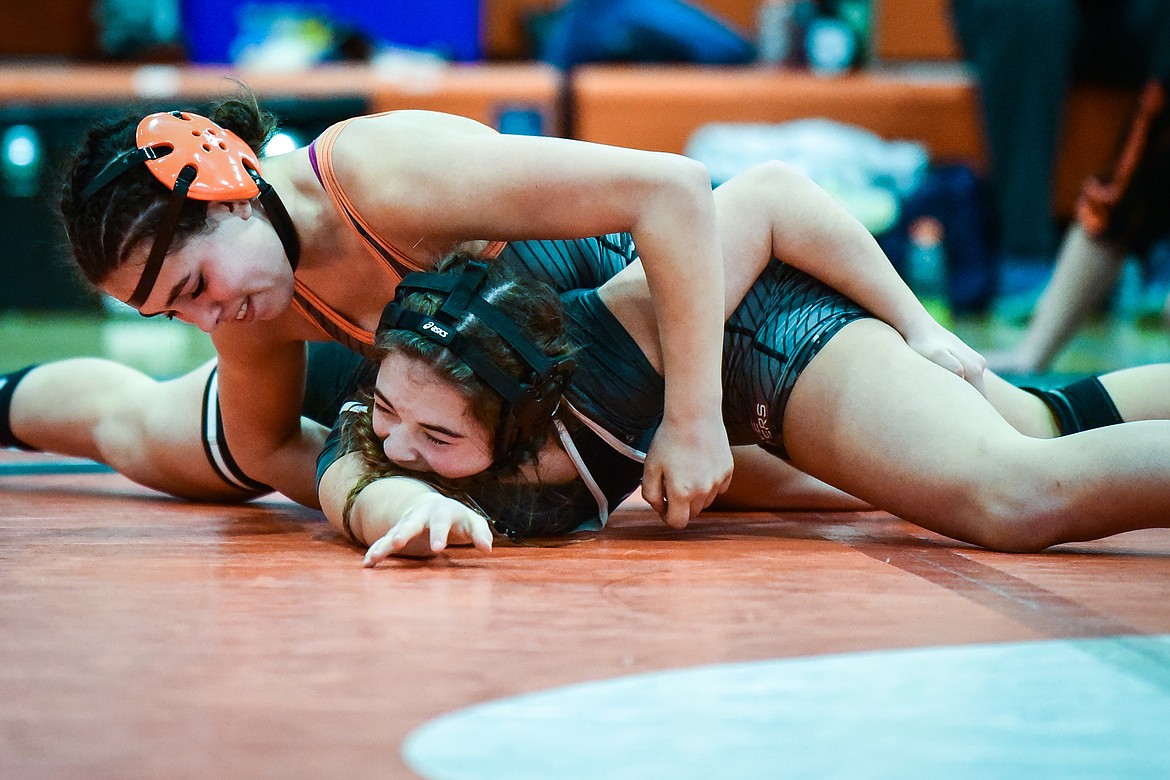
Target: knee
{"x": 1018, "y": 511}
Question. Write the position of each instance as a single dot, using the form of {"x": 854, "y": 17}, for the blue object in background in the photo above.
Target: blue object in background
{"x": 447, "y": 27}
{"x": 640, "y": 31}
{"x": 519, "y": 119}
{"x": 955, "y": 196}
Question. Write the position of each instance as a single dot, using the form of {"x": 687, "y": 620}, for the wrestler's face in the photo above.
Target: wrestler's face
{"x": 235, "y": 272}
{"x": 425, "y": 423}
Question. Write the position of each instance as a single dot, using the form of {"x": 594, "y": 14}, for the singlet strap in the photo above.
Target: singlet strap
{"x": 321, "y": 151}
{"x": 311, "y": 306}
{"x": 614, "y": 442}
{"x": 595, "y": 490}
{"x": 399, "y": 263}
{"x": 612, "y": 483}
{"x": 331, "y": 322}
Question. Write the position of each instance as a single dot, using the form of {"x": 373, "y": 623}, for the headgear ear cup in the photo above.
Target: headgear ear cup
{"x": 226, "y": 168}
{"x": 224, "y": 164}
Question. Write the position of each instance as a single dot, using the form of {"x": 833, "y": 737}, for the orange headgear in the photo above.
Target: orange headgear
{"x": 195, "y": 158}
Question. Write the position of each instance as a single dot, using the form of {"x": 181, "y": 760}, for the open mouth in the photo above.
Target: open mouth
{"x": 244, "y": 309}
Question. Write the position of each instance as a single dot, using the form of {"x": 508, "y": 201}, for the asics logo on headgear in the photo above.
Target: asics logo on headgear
{"x": 435, "y": 328}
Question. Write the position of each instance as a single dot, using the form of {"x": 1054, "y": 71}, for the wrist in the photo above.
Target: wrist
{"x": 694, "y": 410}
{"x": 379, "y": 500}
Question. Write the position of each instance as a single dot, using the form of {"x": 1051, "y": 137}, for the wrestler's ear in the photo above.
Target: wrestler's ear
{"x": 223, "y": 209}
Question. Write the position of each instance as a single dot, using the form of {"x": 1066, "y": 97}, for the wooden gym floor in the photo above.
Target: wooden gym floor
{"x": 142, "y": 637}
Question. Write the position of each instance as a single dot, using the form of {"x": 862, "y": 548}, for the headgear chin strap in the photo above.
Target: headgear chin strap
{"x": 530, "y": 399}
{"x": 195, "y": 158}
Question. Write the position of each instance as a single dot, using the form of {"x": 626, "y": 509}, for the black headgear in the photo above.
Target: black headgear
{"x": 528, "y": 400}
{"x": 195, "y": 158}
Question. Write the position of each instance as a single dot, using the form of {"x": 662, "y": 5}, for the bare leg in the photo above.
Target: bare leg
{"x": 877, "y": 420}
{"x": 145, "y": 429}
{"x": 1086, "y": 271}
{"x": 762, "y": 482}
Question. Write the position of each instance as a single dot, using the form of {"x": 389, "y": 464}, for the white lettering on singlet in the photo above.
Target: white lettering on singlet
{"x": 760, "y": 424}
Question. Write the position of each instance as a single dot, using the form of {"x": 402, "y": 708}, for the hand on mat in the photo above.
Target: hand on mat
{"x": 428, "y": 526}
{"x": 686, "y": 468}
{"x": 939, "y": 345}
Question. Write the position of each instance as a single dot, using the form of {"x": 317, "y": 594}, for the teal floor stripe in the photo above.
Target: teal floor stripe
{"x": 39, "y": 467}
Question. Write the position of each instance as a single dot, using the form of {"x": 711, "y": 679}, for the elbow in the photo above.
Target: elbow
{"x": 679, "y": 188}
{"x": 696, "y": 173}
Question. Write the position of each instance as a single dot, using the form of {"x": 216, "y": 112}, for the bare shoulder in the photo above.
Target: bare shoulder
{"x": 402, "y": 171}
{"x": 399, "y": 139}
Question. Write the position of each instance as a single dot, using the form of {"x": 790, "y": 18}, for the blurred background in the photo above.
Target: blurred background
{"x": 875, "y": 99}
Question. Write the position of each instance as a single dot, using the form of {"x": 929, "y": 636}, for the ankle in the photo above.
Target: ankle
{"x": 8, "y": 383}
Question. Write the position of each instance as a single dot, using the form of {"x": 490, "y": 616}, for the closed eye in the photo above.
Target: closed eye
{"x": 388, "y": 413}
{"x": 382, "y": 408}
{"x": 200, "y": 287}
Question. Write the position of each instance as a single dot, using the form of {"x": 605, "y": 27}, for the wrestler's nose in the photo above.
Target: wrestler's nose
{"x": 400, "y": 449}
{"x": 206, "y": 317}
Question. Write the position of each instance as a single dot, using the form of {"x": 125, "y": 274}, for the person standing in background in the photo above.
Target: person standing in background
{"x": 1026, "y": 56}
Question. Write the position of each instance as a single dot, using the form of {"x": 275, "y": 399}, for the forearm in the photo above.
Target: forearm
{"x": 335, "y": 485}
{"x": 288, "y": 465}
{"x": 261, "y": 384}
{"x": 376, "y": 509}
{"x": 811, "y": 231}
{"x": 677, "y": 240}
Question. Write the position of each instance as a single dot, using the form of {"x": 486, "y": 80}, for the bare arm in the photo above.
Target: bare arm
{"x": 450, "y": 181}
{"x": 398, "y": 515}
{"x": 261, "y": 386}
{"x": 779, "y": 212}
{"x": 773, "y": 210}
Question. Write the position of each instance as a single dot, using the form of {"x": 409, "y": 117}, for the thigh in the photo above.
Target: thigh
{"x": 158, "y": 436}
{"x": 1021, "y": 409}
{"x": 1139, "y": 393}
{"x": 763, "y": 482}
{"x": 745, "y": 233}
{"x": 877, "y": 420}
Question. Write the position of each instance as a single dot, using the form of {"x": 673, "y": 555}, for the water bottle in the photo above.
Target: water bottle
{"x": 776, "y": 36}
{"x": 926, "y": 268}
